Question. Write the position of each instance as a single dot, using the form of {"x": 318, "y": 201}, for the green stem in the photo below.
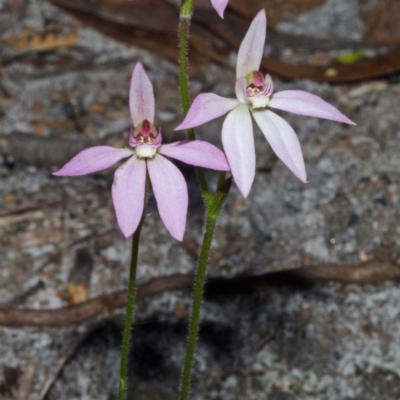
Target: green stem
{"x": 129, "y": 313}
{"x": 213, "y": 212}
{"x": 187, "y": 8}
{"x": 184, "y": 30}
{"x": 196, "y": 308}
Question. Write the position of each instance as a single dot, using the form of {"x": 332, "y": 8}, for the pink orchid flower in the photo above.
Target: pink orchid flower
{"x": 254, "y": 97}
{"x": 147, "y": 156}
{"x": 220, "y": 6}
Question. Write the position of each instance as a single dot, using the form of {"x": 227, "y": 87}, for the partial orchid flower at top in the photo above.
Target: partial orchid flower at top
{"x": 147, "y": 154}
{"x": 220, "y": 6}
{"x": 254, "y": 94}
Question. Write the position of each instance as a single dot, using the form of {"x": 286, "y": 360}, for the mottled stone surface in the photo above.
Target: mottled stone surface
{"x": 327, "y": 342}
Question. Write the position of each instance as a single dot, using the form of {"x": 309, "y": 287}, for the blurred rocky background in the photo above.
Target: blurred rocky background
{"x": 303, "y": 296}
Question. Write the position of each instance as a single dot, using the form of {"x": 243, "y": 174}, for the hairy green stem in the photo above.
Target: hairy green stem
{"x": 184, "y": 30}
{"x": 129, "y": 313}
{"x": 213, "y": 212}
{"x": 187, "y": 8}
{"x": 196, "y": 307}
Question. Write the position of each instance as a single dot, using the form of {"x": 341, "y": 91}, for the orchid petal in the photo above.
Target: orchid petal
{"x": 128, "y": 191}
{"x": 220, "y": 6}
{"x": 238, "y": 141}
{"x": 171, "y": 193}
{"x": 206, "y": 107}
{"x": 283, "y": 140}
{"x": 141, "y": 96}
{"x": 198, "y": 153}
{"x": 93, "y": 159}
{"x": 240, "y": 90}
{"x": 252, "y": 47}
{"x": 304, "y": 103}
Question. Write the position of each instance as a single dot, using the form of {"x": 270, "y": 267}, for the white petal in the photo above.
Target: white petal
{"x": 240, "y": 90}
{"x": 283, "y": 140}
{"x": 128, "y": 191}
{"x": 252, "y": 47}
{"x": 93, "y": 159}
{"x": 238, "y": 141}
{"x": 198, "y": 153}
{"x": 305, "y": 103}
{"x": 170, "y": 191}
{"x": 205, "y": 108}
{"x": 141, "y": 96}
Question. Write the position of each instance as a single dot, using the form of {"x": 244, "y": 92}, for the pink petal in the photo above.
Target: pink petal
{"x": 206, "y": 107}
{"x": 304, "y": 103}
{"x": 171, "y": 193}
{"x": 198, "y": 153}
{"x": 283, "y": 141}
{"x": 93, "y": 159}
{"x": 252, "y": 47}
{"x": 128, "y": 191}
{"x": 220, "y": 6}
{"x": 141, "y": 96}
{"x": 238, "y": 141}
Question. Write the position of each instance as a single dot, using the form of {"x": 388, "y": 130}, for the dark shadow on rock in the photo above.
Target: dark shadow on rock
{"x": 219, "y": 339}
{"x": 152, "y": 359}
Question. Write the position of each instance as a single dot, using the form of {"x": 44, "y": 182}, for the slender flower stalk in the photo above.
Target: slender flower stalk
{"x": 212, "y": 212}
{"x": 130, "y": 303}
{"x": 184, "y": 31}
{"x": 198, "y": 291}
